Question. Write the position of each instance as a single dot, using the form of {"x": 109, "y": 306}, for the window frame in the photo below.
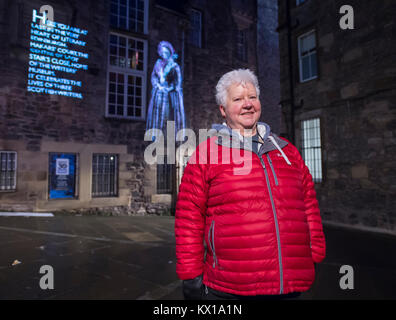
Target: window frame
{"x": 115, "y": 194}
{"x": 192, "y": 30}
{"x": 170, "y": 177}
{"x": 312, "y": 162}
{"x": 145, "y": 17}
{"x": 14, "y": 187}
{"x": 315, "y": 51}
{"x": 126, "y": 72}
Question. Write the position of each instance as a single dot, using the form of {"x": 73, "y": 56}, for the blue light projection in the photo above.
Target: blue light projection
{"x": 167, "y": 94}
{"x": 50, "y": 54}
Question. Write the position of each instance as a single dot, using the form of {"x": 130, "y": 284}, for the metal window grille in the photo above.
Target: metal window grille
{"x": 196, "y": 28}
{"x": 128, "y": 15}
{"x": 311, "y": 147}
{"x": 105, "y": 175}
{"x": 126, "y": 77}
{"x": 164, "y": 178}
{"x": 307, "y": 56}
{"x": 8, "y": 165}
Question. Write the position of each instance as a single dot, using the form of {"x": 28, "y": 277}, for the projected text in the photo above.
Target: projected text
{"x": 55, "y": 54}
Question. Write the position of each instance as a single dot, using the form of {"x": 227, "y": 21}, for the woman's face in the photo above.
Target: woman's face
{"x": 243, "y": 108}
{"x": 164, "y": 53}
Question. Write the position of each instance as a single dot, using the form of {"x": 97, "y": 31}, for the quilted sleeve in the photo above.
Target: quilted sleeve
{"x": 190, "y": 221}
{"x": 318, "y": 243}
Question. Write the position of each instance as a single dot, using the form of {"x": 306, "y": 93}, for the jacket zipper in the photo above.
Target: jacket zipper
{"x": 276, "y": 225}
{"x": 211, "y": 243}
{"x": 272, "y": 169}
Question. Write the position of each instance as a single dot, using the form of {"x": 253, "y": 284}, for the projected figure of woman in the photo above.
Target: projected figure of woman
{"x": 167, "y": 94}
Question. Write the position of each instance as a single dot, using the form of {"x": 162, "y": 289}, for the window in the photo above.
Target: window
{"x": 129, "y": 15}
{"x": 242, "y": 45}
{"x": 105, "y": 175}
{"x": 127, "y": 64}
{"x": 298, "y": 2}
{"x": 126, "y": 83}
{"x": 307, "y": 56}
{"x": 164, "y": 177}
{"x": 195, "y": 28}
{"x": 8, "y": 164}
{"x": 311, "y": 147}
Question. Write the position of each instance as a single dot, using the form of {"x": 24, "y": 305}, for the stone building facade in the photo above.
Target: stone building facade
{"x": 340, "y": 83}
{"x": 268, "y": 63}
{"x": 99, "y": 139}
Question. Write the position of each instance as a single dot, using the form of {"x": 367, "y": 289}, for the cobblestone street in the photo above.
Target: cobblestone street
{"x": 134, "y": 258}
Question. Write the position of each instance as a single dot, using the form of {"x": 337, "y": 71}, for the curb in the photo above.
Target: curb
{"x": 359, "y": 227}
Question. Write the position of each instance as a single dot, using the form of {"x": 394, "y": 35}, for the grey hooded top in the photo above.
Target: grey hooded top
{"x": 233, "y": 139}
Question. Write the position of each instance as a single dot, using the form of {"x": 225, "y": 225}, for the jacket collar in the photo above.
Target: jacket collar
{"x": 233, "y": 139}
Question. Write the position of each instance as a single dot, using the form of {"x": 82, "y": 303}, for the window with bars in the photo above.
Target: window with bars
{"x": 242, "y": 45}
{"x": 126, "y": 77}
{"x": 129, "y": 15}
{"x": 307, "y": 56}
{"x": 195, "y": 35}
{"x": 8, "y": 165}
{"x": 311, "y": 147}
{"x": 164, "y": 178}
{"x": 105, "y": 175}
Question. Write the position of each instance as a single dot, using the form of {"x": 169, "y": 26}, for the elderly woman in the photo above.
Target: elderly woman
{"x": 262, "y": 229}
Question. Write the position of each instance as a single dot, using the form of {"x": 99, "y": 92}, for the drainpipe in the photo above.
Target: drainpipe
{"x": 182, "y": 57}
{"x": 183, "y": 25}
{"x": 291, "y": 76}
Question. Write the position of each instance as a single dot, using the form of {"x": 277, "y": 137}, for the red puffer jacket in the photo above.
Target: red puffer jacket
{"x": 261, "y": 225}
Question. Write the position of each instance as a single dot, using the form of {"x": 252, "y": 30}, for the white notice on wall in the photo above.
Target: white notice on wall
{"x": 62, "y": 167}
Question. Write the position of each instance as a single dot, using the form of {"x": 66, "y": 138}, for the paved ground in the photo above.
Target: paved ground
{"x": 134, "y": 258}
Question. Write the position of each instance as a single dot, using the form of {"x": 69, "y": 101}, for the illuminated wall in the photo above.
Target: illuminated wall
{"x": 51, "y": 60}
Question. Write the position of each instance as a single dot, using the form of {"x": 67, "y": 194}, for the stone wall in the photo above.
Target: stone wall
{"x": 355, "y": 98}
{"x": 36, "y": 120}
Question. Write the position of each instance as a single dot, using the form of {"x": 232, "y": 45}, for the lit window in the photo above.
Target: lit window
{"x": 311, "y": 147}
{"x": 242, "y": 45}
{"x": 129, "y": 15}
{"x": 195, "y": 28}
{"x": 307, "y": 56}
{"x": 8, "y": 164}
{"x": 105, "y": 175}
{"x": 126, "y": 85}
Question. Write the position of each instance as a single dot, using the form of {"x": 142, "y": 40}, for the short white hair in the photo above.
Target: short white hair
{"x": 240, "y": 76}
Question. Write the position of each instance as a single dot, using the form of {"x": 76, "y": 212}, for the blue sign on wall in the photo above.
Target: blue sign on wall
{"x": 62, "y": 175}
